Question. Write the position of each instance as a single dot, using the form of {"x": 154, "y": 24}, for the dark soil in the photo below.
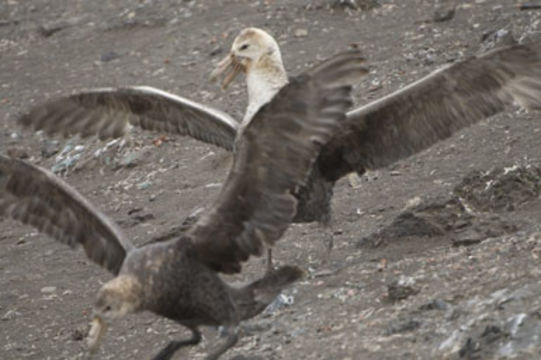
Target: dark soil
{"x": 436, "y": 257}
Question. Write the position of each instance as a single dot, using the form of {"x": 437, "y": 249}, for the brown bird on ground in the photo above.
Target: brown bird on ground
{"x": 374, "y": 136}
{"x": 178, "y": 279}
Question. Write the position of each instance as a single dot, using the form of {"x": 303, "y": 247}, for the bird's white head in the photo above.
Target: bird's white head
{"x": 117, "y": 298}
{"x": 253, "y": 44}
{"x": 256, "y": 53}
{"x": 252, "y": 48}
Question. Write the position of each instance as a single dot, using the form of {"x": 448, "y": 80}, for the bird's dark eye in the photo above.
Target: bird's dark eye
{"x": 245, "y": 46}
{"x": 107, "y": 308}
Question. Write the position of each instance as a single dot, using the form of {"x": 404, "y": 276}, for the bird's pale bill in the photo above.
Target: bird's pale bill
{"x": 229, "y": 67}
{"x": 98, "y": 328}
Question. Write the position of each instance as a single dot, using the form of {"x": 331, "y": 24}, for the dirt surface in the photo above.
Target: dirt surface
{"x": 401, "y": 282}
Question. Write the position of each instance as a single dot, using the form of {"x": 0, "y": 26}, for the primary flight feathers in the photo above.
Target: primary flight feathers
{"x": 109, "y": 113}
{"x": 375, "y": 135}
{"x": 433, "y": 108}
{"x": 36, "y": 197}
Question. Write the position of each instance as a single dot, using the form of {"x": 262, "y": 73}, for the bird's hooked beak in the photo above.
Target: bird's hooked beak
{"x": 98, "y": 328}
{"x": 229, "y": 67}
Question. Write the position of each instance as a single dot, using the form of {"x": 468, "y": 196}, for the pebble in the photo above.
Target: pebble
{"x": 301, "y": 32}
{"x": 402, "y": 326}
{"x": 50, "y": 148}
{"x": 10, "y": 314}
{"x": 144, "y": 185}
{"x": 130, "y": 160}
{"x": 401, "y": 289}
{"x": 436, "y": 304}
{"x": 109, "y": 55}
{"x": 216, "y": 50}
{"x": 281, "y": 301}
{"x": 444, "y": 14}
{"x": 48, "y": 289}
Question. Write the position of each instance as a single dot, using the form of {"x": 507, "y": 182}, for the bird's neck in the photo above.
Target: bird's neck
{"x": 264, "y": 79}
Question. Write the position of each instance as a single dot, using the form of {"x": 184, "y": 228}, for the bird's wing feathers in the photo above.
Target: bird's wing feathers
{"x": 109, "y": 112}
{"x": 273, "y": 157}
{"x": 36, "y": 197}
{"x": 434, "y": 108}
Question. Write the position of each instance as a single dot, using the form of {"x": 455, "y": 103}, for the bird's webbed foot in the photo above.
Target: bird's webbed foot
{"x": 232, "y": 334}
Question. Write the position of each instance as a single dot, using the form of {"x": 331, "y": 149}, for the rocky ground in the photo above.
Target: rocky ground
{"x": 436, "y": 257}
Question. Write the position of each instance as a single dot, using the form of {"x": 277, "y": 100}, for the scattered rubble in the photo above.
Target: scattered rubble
{"x": 501, "y": 189}
{"x": 470, "y": 215}
{"x": 401, "y": 289}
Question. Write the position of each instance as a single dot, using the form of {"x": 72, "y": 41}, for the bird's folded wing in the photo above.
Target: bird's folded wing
{"x": 38, "y": 198}
{"x": 433, "y": 108}
{"x": 109, "y": 112}
{"x": 273, "y": 157}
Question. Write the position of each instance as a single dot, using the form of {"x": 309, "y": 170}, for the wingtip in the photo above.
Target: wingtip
{"x": 344, "y": 68}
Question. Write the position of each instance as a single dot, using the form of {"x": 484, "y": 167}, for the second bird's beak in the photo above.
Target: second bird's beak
{"x": 230, "y": 67}
{"x": 98, "y": 328}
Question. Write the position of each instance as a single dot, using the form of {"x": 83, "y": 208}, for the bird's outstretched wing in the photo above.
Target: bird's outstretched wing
{"x": 36, "y": 197}
{"x": 433, "y": 108}
{"x": 273, "y": 157}
{"x": 109, "y": 112}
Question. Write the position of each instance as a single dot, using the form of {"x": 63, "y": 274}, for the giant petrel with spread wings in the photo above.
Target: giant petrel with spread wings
{"x": 374, "y": 136}
{"x": 179, "y": 278}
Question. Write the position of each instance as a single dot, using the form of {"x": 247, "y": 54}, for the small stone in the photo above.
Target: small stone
{"x": 79, "y": 334}
{"x": 109, "y": 55}
{"x": 355, "y": 4}
{"x": 402, "y": 326}
{"x": 48, "y": 289}
{"x": 514, "y": 323}
{"x": 216, "y": 50}
{"x": 444, "y": 14}
{"x": 66, "y": 164}
{"x": 468, "y": 237}
{"x": 413, "y": 202}
{"x": 50, "y": 148}
{"x": 51, "y": 28}
{"x": 281, "y": 301}
{"x": 401, "y": 289}
{"x": 354, "y": 180}
{"x": 140, "y": 215}
{"x": 301, "y": 32}
{"x": 10, "y": 314}
{"x": 144, "y": 185}
{"x": 436, "y": 304}
{"x": 130, "y": 160}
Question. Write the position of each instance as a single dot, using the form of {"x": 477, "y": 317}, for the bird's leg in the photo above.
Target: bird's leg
{"x": 269, "y": 261}
{"x": 328, "y": 239}
{"x": 167, "y": 352}
{"x": 232, "y": 333}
